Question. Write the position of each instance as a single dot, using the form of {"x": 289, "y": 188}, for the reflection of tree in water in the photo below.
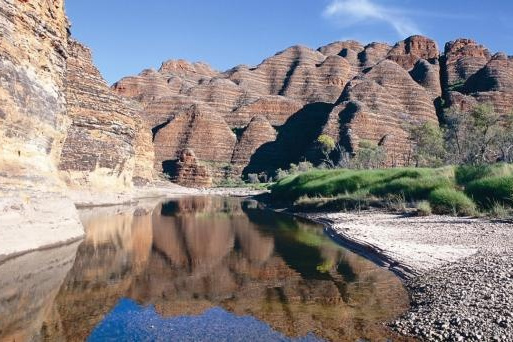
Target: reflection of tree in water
{"x": 195, "y": 253}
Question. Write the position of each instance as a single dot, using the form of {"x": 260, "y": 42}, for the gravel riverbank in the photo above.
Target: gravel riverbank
{"x": 459, "y": 271}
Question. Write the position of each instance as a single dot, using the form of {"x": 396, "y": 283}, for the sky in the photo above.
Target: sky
{"x": 127, "y": 36}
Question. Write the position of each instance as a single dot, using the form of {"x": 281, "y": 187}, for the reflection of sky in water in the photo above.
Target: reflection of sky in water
{"x": 131, "y": 322}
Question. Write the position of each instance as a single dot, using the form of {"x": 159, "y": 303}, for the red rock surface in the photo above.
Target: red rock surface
{"x": 482, "y": 78}
{"x": 276, "y": 109}
{"x": 100, "y": 149}
{"x": 378, "y": 106}
{"x": 409, "y": 51}
{"x": 188, "y": 172}
{"x": 201, "y": 129}
{"x": 464, "y": 57}
{"x": 257, "y": 133}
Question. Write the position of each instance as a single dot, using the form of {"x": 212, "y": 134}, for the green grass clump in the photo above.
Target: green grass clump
{"x": 466, "y": 174}
{"x": 412, "y": 188}
{"x": 451, "y": 201}
{"x": 490, "y": 190}
{"x": 448, "y": 190}
{"x": 500, "y": 211}
{"x": 413, "y": 183}
{"x": 424, "y": 208}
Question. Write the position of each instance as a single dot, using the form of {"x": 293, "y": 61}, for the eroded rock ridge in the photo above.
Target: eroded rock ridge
{"x": 254, "y": 119}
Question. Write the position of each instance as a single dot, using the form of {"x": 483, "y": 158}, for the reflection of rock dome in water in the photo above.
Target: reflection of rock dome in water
{"x": 207, "y": 252}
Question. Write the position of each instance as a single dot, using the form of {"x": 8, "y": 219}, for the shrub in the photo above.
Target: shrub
{"x": 490, "y": 190}
{"x": 304, "y": 166}
{"x": 253, "y": 178}
{"x": 498, "y": 210}
{"x": 428, "y": 148}
{"x": 326, "y": 143}
{"x": 423, "y": 208}
{"x": 396, "y": 202}
{"x": 280, "y": 174}
{"x": 451, "y": 201}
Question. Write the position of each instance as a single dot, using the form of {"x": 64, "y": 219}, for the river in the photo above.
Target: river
{"x": 197, "y": 269}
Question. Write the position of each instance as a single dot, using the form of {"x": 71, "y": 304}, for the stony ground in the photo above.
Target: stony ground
{"x": 470, "y": 300}
{"x": 459, "y": 271}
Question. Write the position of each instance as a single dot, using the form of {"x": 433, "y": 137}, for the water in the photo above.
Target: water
{"x": 197, "y": 269}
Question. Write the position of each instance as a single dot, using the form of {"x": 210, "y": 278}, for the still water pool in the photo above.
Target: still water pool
{"x": 197, "y": 269}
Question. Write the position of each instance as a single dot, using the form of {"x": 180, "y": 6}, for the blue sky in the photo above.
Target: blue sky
{"x": 127, "y": 36}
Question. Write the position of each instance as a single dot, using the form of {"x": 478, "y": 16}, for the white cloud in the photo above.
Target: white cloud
{"x": 351, "y": 12}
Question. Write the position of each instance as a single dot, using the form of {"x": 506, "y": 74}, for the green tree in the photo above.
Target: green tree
{"x": 478, "y": 137}
{"x": 326, "y": 143}
{"x": 428, "y": 147}
{"x": 369, "y": 156}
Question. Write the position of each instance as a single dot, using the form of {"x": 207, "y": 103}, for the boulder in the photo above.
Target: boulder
{"x": 188, "y": 172}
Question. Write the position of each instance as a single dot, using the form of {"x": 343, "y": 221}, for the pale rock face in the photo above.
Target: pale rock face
{"x": 33, "y": 127}
{"x": 33, "y": 122}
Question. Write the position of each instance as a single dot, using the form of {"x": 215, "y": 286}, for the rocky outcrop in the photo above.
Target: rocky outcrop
{"x": 280, "y": 87}
{"x": 99, "y": 150}
{"x": 257, "y": 133}
{"x": 33, "y": 126}
{"x": 298, "y": 72}
{"x": 276, "y": 89}
{"x": 474, "y": 76}
{"x": 408, "y": 52}
{"x": 187, "y": 171}
{"x": 201, "y": 129}
{"x": 463, "y": 57}
{"x": 276, "y": 109}
{"x": 107, "y": 144}
{"x": 378, "y": 106}
{"x": 33, "y": 122}
{"x": 58, "y": 121}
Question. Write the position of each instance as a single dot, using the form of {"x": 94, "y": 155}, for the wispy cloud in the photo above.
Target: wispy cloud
{"x": 351, "y": 12}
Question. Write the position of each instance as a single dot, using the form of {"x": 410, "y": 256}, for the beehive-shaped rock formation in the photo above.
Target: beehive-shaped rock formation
{"x": 188, "y": 172}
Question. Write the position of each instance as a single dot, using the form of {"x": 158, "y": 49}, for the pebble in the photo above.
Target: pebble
{"x": 470, "y": 300}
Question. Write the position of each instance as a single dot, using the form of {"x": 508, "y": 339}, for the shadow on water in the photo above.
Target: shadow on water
{"x": 193, "y": 269}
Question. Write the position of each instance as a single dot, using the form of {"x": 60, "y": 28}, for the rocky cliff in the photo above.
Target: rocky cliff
{"x": 106, "y": 137}
{"x": 346, "y": 90}
{"x": 33, "y": 126}
{"x": 61, "y": 127}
